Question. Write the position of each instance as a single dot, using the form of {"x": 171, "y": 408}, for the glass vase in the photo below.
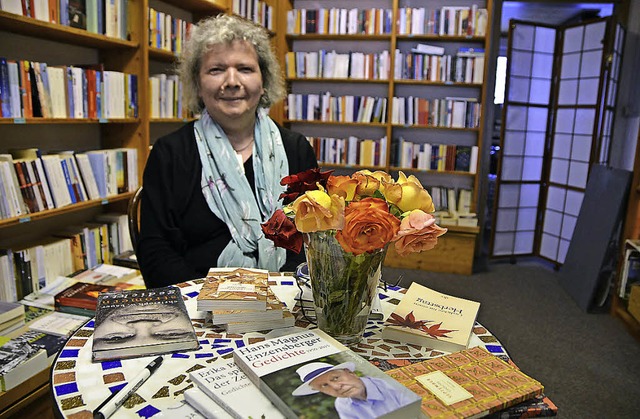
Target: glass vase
{"x": 343, "y": 286}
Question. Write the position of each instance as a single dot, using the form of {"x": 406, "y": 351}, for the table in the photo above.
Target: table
{"x": 78, "y": 386}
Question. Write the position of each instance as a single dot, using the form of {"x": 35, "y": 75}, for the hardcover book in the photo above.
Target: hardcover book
{"x": 81, "y": 295}
{"x": 432, "y": 319}
{"x": 241, "y": 289}
{"x": 468, "y": 383}
{"x": 145, "y": 322}
{"x": 309, "y": 374}
{"x": 19, "y": 361}
{"x": 230, "y": 388}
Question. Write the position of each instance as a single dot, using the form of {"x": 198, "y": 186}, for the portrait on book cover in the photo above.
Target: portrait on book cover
{"x": 338, "y": 385}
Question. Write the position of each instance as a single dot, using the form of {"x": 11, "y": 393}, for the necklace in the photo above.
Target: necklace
{"x": 240, "y": 150}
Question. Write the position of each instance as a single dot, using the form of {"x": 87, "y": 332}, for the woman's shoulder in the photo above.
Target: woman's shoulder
{"x": 177, "y": 138}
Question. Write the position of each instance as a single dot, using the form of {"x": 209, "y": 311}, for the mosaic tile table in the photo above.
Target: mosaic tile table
{"x": 79, "y": 386}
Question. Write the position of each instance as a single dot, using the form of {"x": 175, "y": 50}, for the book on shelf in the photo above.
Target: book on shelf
{"x": 227, "y": 385}
{"x": 133, "y": 323}
{"x": 242, "y": 289}
{"x": 432, "y": 319}
{"x": 467, "y": 383}
{"x": 10, "y": 311}
{"x": 19, "y": 361}
{"x": 295, "y": 372}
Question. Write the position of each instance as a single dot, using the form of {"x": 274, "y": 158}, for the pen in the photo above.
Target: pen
{"x": 113, "y": 402}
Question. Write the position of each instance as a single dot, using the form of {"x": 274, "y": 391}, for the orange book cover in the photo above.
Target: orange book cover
{"x": 25, "y": 89}
{"x": 468, "y": 383}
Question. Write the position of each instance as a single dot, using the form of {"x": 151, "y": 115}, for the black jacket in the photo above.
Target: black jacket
{"x": 180, "y": 238}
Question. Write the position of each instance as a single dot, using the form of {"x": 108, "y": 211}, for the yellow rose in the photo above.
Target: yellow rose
{"x": 316, "y": 210}
{"x": 412, "y": 196}
{"x": 343, "y": 186}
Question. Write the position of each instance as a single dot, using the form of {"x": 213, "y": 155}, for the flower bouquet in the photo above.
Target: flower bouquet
{"x": 346, "y": 224}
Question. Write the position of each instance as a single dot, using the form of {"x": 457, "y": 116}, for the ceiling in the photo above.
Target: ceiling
{"x": 551, "y": 12}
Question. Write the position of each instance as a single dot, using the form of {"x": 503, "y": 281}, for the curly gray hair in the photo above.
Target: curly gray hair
{"x": 224, "y": 29}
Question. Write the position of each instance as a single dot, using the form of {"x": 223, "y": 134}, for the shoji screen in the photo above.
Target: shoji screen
{"x": 530, "y": 61}
{"x": 557, "y": 121}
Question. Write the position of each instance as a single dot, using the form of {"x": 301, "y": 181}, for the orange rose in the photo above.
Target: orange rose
{"x": 368, "y": 226}
{"x": 412, "y": 195}
{"x": 316, "y": 210}
{"x": 418, "y": 232}
{"x": 343, "y": 186}
{"x": 367, "y": 184}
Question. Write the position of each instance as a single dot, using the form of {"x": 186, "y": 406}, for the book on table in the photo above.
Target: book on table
{"x": 432, "y": 319}
{"x": 80, "y": 298}
{"x": 19, "y": 361}
{"x": 273, "y": 311}
{"x": 204, "y": 404}
{"x": 228, "y": 386}
{"x": 287, "y": 320}
{"x": 240, "y": 289}
{"x": 132, "y": 323}
{"x": 467, "y": 383}
{"x": 58, "y": 323}
{"x": 309, "y": 373}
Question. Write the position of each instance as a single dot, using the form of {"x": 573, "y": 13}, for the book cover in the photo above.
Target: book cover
{"x": 309, "y": 373}
{"x": 432, "y": 319}
{"x": 226, "y": 384}
{"x": 203, "y": 404}
{"x": 144, "y": 322}
{"x": 82, "y": 295}
{"x": 10, "y": 311}
{"x": 240, "y": 289}
{"x": 58, "y": 323}
{"x": 468, "y": 383}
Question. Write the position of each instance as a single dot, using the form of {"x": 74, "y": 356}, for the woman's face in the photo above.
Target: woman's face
{"x": 231, "y": 82}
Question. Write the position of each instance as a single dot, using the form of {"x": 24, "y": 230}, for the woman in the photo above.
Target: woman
{"x": 209, "y": 185}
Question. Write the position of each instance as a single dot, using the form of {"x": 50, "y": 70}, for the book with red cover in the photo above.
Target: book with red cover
{"x": 81, "y": 295}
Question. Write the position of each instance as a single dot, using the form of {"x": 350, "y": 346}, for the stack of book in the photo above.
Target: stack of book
{"x": 240, "y": 301}
{"x": 81, "y": 298}
{"x": 11, "y": 317}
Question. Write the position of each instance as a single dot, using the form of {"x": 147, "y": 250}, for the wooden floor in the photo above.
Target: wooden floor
{"x": 40, "y": 408}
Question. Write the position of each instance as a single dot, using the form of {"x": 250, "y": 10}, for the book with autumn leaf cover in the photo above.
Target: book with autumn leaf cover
{"x": 240, "y": 289}
{"x": 432, "y": 319}
{"x": 467, "y": 383}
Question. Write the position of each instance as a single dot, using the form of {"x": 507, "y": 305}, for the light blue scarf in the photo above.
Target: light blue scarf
{"x": 229, "y": 196}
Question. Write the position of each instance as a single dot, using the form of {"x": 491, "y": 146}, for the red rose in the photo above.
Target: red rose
{"x": 301, "y": 182}
{"x": 282, "y": 231}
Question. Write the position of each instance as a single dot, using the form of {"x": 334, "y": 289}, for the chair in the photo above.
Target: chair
{"x": 133, "y": 213}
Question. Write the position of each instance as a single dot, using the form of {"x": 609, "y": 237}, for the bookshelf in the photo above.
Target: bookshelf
{"x": 388, "y": 42}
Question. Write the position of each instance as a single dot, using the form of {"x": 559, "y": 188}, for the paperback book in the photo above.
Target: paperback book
{"x": 58, "y": 323}
{"x": 146, "y": 322}
{"x": 80, "y": 298}
{"x": 432, "y": 319}
{"x": 298, "y": 373}
{"x": 273, "y": 311}
{"x": 287, "y": 320}
{"x": 204, "y": 404}
{"x": 241, "y": 289}
{"x": 19, "y": 361}
{"x": 468, "y": 383}
{"x": 230, "y": 388}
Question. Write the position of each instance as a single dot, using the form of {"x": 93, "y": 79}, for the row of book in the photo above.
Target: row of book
{"x": 31, "y": 182}
{"x": 339, "y": 21}
{"x": 328, "y": 108}
{"x": 467, "y": 66}
{"x": 257, "y": 11}
{"x": 167, "y": 32}
{"x": 350, "y": 151}
{"x": 331, "y": 64}
{"x": 166, "y": 97}
{"x": 450, "y": 201}
{"x": 35, "y": 89}
{"x": 447, "y": 20}
{"x": 440, "y": 157}
{"x": 240, "y": 301}
{"x": 105, "y": 17}
{"x": 450, "y": 112}
{"x": 34, "y": 267}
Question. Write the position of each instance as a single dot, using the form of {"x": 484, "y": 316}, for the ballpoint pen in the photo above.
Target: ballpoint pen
{"x": 117, "y": 399}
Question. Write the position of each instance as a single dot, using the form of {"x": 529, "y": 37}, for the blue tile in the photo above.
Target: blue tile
{"x": 179, "y": 356}
{"x": 224, "y": 351}
{"x": 91, "y": 323}
{"x": 209, "y": 355}
{"x": 193, "y": 294}
{"x": 148, "y": 411}
{"x": 117, "y": 387}
{"x": 286, "y": 282}
{"x": 240, "y": 343}
{"x": 67, "y": 388}
{"x": 219, "y": 340}
{"x": 69, "y": 353}
{"x": 494, "y": 349}
{"x": 107, "y": 365}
